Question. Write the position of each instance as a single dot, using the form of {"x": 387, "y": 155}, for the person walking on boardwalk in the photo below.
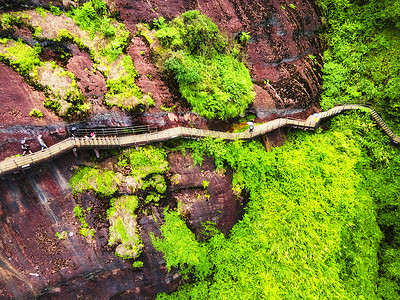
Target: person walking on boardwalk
{"x": 41, "y": 142}
{"x": 73, "y": 132}
{"x": 25, "y": 147}
{"x": 251, "y": 126}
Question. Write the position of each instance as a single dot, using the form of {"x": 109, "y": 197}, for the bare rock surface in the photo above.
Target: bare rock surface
{"x": 203, "y": 194}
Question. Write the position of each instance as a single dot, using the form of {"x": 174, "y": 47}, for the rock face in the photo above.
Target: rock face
{"x": 203, "y": 194}
{"x": 283, "y": 35}
{"x": 33, "y": 261}
{"x": 38, "y": 203}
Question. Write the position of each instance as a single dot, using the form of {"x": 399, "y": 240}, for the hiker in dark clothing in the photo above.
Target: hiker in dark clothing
{"x": 73, "y": 132}
{"x": 25, "y": 147}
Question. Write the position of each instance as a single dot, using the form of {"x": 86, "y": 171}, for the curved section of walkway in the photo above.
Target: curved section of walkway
{"x": 105, "y": 142}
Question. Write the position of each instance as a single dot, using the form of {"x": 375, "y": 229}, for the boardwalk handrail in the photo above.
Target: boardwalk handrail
{"x": 16, "y": 164}
{"x": 113, "y": 131}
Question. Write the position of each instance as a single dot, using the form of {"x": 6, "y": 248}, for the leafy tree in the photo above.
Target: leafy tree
{"x": 205, "y": 66}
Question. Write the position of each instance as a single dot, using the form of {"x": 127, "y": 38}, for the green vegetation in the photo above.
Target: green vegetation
{"x": 64, "y": 96}
{"x": 84, "y": 229}
{"x": 137, "y": 264}
{"x": 205, "y": 65}
{"x": 181, "y": 248}
{"x": 20, "y": 56}
{"x": 93, "y": 17}
{"x": 362, "y": 61}
{"x": 54, "y": 9}
{"x": 104, "y": 182}
{"x": 106, "y": 43}
{"x": 148, "y": 160}
{"x": 146, "y": 167}
{"x": 62, "y": 235}
{"x": 244, "y": 37}
{"x": 113, "y": 39}
{"x": 36, "y": 113}
{"x": 313, "y": 229}
{"x": 123, "y": 87}
{"x": 123, "y": 227}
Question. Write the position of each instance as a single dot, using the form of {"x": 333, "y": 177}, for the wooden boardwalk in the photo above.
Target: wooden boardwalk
{"x": 13, "y": 165}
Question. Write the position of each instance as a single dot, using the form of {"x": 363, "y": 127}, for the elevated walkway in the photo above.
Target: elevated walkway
{"x": 16, "y": 164}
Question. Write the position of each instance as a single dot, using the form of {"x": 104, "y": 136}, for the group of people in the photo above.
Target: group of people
{"x": 27, "y": 148}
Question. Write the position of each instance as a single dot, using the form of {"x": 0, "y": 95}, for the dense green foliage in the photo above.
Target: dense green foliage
{"x": 206, "y": 67}
{"x": 147, "y": 160}
{"x": 181, "y": 247}
{"x": 93, "y": 17}
{"x": 311, "y": 227}
{"x": 103, "y": 182}
{"x": 123, "y": 227}
{"x": 362, "y": 61}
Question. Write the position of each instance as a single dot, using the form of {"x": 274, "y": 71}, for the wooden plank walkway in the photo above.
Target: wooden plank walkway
{"x": 13, "y": 165}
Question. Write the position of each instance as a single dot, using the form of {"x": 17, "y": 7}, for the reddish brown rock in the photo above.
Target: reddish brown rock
{"x": 91, "y": 82}
{"x": 38, "y": 203}
{"x": 282, "y": 38}
{"x": 204, "y": 194}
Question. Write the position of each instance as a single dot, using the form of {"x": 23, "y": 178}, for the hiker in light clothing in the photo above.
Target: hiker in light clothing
{"x": 41, "y": 142}
{"x": 251, "y": 126}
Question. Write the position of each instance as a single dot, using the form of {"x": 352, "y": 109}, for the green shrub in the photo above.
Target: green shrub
{"x": 244, "y": 37}
{"x": 209, "y": 75}
{"x": 103, "y": 182}
{"x": 36, "y": 113}
{"x": 137, "y": 264}
{"x": 54, "y": 9}
{"x": 41, "y": 11}
{"x": 62, "y": 235}
{"x": 84, "y": 229}
{"x": 147, "y": 160}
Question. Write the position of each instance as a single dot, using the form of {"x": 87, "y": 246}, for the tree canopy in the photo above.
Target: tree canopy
{"x": 205, "y": 65}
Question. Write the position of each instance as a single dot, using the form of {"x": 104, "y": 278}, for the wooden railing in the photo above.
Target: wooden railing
{"x": 126, "y": 140}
